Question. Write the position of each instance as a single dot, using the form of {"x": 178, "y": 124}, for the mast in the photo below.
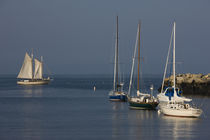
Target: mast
{"x": 117, "y": 56}
{"x": 174, "y": 73}
{"x": 32, "y": 55}
{"x": 42, "y": 65}
{"x": 138, "y": 56}
{"x": 116, "y": 60}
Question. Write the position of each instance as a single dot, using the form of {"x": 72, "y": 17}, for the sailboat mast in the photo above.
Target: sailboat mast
{"x": 41, "y": 66}
{"x": 138, "y": 56}
{"x": 116, "y": 59}
{"x": 117, "y": 54}
{"x": 174, "y": 73}
{"x": 32, "y": 55}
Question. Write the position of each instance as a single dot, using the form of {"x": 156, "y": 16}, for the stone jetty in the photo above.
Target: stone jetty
{"x": 191, "y": 84}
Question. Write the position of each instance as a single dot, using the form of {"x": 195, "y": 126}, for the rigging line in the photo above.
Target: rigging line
{"x": 133, "y": 61}
{"x": 167, "y": 61}
{"x": 204, "y": 99}
{"x": 204, "y": 114}
{"x": 202, "y": 103}
{"x": 142, "y": 77}
{"x": 48, "y": 70}
{"x": 112, "y": 56}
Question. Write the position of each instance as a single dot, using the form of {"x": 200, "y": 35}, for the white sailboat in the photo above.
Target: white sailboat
{"x": 117, "y": 94}
{"x": 176, "y": 105}
{"x": 168, "y": 94}
{"x": 29, "y": 77}
{"x": 141, "y": 100}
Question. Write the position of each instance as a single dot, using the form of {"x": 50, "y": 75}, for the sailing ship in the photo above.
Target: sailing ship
{"x": 117, "y": 94}
{"x": 28, "y": 76}
{"x": 176, "y": 105}
{"x": 141, "y": 100}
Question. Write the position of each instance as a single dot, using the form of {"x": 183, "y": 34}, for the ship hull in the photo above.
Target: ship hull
{"x": 33, "y": 82}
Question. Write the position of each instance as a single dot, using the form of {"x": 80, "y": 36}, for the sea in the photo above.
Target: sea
{"x": 69, "y": 109}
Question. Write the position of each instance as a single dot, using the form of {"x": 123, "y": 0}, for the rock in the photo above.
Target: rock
{"x": 179, "y": 80}
{"x": 197, "y": 84}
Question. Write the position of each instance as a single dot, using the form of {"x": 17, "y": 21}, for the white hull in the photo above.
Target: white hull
{"x": 29, "y": 82}
{"x": 181, "y": 112}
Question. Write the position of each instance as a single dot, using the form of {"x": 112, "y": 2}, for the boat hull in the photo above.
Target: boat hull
{"x": 122, "y": 98}
{"x": 143, "y": 105}
{"x": 33, "y": 82}
{"x": 191, "y": 113}
{"x": 117, "y": 96}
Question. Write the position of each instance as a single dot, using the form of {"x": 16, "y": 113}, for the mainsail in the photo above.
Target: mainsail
{"x": 26, "y": 69}
{"x": 37, "y": 69}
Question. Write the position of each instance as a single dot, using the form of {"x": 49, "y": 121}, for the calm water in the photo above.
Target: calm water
{"x": 68, "y": 108}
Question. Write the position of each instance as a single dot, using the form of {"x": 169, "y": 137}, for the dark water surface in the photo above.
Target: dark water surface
{"x": 68, "y": 108}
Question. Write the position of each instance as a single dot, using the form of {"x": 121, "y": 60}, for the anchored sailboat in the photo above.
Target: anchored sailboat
{"x": 117, "y": 94}
{"x": 141, "y": 100}
{"x": 30, "y": 77}
{"x": 176, "y": 105}
{"x": 168, "y": 94}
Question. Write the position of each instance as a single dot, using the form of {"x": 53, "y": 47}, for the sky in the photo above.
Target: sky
{"x": 78, "y": 36}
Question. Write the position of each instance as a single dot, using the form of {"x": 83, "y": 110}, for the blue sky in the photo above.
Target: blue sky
{"x": 78, "y": 36}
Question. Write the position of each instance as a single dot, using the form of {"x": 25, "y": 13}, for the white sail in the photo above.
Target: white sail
{"x": 37, "y": 69}
{"x": 26, "y": 69}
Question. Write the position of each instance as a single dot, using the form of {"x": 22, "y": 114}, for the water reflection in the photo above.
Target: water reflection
{"x": 32, "y": 91}
{"x": 178, "y": 127}
{"x": 32, "y": 126}
{"x": 132, "y": 124}
{"x": 142, "y": 124}
{"x": 118, "y": 106}
{"x": 119, "y": 119}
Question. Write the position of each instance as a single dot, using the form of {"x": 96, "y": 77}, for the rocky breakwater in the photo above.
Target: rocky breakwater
{"x": 191, "y": 84}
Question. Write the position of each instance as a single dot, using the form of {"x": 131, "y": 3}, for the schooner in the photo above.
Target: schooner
{"x": 28, "y": 76}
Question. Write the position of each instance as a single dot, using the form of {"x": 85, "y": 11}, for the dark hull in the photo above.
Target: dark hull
{"x": 143, "y": 105}
{"x": 122, "y": 98}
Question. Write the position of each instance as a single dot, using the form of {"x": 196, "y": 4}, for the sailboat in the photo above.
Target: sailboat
{"x": 168, "y": 94}
{"x": 141, "y": 100}
{"x": 117, "y": 94}
{"x": 28, "y": 76}
{"x": 176, "y": 105}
